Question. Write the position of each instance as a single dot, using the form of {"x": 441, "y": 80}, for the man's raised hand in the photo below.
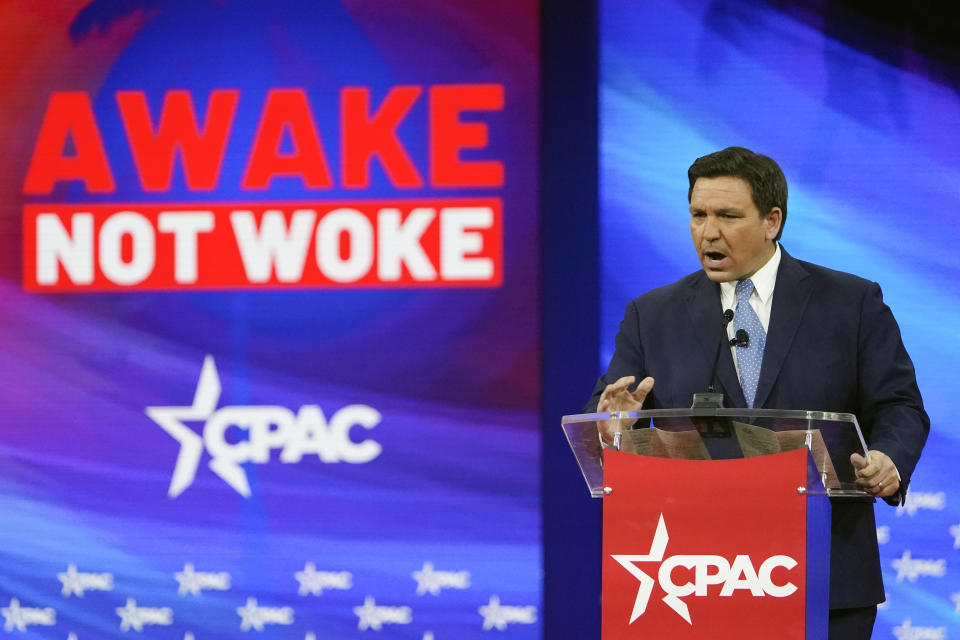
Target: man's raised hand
{"x": 618, "y": 397}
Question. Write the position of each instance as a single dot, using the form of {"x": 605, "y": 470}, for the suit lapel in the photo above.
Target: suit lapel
{"x": 706, "y": 316}
{"x": 790, "y": 297}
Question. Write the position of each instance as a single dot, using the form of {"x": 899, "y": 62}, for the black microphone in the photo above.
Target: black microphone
{"x": 711, "y": 398}
{"x": 741, "y": 339}
{"x": 727, "y": 319}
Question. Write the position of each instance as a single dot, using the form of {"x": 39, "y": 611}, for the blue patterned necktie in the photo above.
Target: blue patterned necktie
{"x": 749, "y": 358}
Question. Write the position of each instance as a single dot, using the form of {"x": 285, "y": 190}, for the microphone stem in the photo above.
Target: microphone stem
{"x": 727, "y": 318}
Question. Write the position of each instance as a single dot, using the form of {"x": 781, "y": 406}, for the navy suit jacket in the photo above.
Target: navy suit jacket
{"x": 832, "y": 345}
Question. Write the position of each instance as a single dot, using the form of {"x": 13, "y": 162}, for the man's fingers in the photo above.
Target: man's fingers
{"x": 618, "y": 397}
{"x": 869, "y": 471}
{"x": 865, "y": 467}
{"x": 645, "y": 386}
{"x": 888, "y": 489}
{"x": 876, "y": 474}
{"x": 858, "y": 461}
{"x": 877, "y": 463}
{"x": 615, "y": 388}
{"x": 879, "y": 488}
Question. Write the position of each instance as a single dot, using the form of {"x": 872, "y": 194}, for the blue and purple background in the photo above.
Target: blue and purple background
{"x": 864, "y": 125}
{"x": 84, "y": 472}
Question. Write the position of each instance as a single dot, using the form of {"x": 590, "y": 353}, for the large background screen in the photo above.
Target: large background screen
{"x": 859, "y": 110}
{"x": 270, "y": 350}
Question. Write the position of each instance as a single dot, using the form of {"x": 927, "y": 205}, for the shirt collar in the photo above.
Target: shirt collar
{"x": 763, "y": 282}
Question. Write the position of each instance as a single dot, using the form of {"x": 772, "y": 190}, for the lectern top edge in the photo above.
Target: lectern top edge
{"x": 789, "y": 414}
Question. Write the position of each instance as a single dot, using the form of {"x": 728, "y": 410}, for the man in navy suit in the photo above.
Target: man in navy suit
{"x": 822, "y": 340}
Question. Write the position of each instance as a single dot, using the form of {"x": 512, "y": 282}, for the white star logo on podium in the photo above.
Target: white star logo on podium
{"x": 657, "y": 548}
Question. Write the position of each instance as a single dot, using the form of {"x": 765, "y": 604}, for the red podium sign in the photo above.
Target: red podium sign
{"x": 712, "y": 549}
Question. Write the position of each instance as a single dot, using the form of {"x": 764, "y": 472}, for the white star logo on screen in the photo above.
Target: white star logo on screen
{"x": 431, "y": 581}
{"x": 13, "y": 619}
{"x": 254, "y": 616}
{"x": 194, "y": 582}
{"x": 135, "y": 617}
{"x": 20, "y": 618}
{"x": 77, "y": 582}
{"x": 250, "y": 616}
{"x": 370, "y": 615}
{"x": 171, "y": 420}
{"x": 307, "y": 431}
{"x": 187, "y": 581}
{"x": 313, "y": 582}
{"x": 498, "y": 616}
{"x": 71, "y": 581}
{"x": 367, "y": 617}
{"x": 492, "y": 613}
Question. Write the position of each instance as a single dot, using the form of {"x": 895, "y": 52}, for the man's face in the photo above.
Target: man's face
{"x": 731, "y": 238}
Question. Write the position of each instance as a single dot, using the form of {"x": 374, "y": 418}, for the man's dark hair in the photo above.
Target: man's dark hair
{"x": 768, "y": 185}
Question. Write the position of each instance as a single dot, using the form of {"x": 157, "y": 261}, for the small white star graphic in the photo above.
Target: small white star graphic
{"x": 367, "y": 615}
{"x": 187, "y": 579}
{"x": 250, "y": 616}
{"x": 313, "y": 582}
{"x": 75, "y": 582}
{"x": 71, "y": 581}
{"x": 12, "y": 615}
{"x": 309, "y": 580}
{"x": 129, "y": 616}
{"x": 20, "y": 618}
{"x": 425, "y": 582}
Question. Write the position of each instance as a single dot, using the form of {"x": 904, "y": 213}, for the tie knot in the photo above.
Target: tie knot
{"x": 744, "y": 290}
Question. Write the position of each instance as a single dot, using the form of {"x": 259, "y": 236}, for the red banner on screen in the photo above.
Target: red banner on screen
{"x": 396, "y": 243}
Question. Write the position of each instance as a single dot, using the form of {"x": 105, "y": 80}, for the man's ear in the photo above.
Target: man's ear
{"x": 773, "y": 220}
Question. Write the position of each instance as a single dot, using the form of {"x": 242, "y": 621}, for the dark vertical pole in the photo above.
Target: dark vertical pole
{"x": 569, "y": 253}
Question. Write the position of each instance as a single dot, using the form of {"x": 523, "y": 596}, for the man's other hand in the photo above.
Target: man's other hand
{"x": 876, "y": 473}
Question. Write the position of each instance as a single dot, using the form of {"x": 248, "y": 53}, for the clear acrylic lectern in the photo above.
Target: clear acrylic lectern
{"x": 720, "y": 434}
